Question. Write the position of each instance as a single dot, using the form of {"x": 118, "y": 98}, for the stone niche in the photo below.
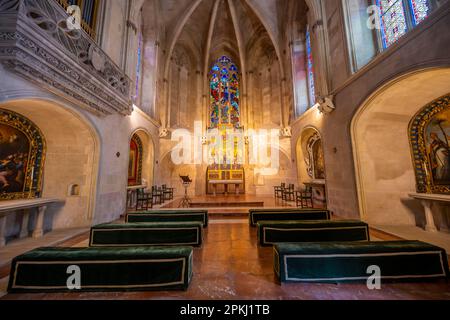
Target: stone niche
{"x": 68, "y": 171}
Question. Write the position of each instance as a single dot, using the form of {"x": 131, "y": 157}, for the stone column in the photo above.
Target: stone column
{"x": 321, "y": 55}
{"x": 24, "y": 228}
{"x": 430, "y": 225}
{"x": 39, "y": 230}
{"x": 2, "y": 231}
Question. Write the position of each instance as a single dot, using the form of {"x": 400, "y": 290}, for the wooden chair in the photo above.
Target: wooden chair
{"x": 157, "y": 195}
{"x": 278, "y": 190}
{"x": 144, "y": 200}
{"x": 304, "y": 199}
{"x": 167, "y": 192}
{"x": 288, "y": 193}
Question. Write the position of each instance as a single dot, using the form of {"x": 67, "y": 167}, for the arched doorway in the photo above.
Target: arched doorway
{"x": 70, "y": 167}
{"x": 382, "y": 151}
{"x": 141, "y": 159}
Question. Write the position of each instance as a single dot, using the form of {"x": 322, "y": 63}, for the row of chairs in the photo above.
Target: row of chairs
{"x": 302, "y": 198}
{"x": 158, "y": 195}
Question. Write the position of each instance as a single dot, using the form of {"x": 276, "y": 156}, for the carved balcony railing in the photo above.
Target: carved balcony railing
{"x": 37, "y": 42}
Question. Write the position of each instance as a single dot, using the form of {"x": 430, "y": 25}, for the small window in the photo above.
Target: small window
{"x": 74, "y": 190}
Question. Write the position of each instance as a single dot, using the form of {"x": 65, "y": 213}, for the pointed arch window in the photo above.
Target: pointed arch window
{"x": 224, "y": 93}
{"x": 310, "y": 69}
{"x": 138, "y": 67}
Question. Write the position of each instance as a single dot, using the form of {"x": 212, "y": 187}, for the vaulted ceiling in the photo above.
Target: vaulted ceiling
{"x": 206, "y": 29}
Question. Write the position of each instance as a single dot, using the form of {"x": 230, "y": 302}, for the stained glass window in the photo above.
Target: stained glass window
{"x": 310, "y": 68}
{"x": 393, "y": 20}
{"x": 224, "y": 86}
{"x": 420, "y": 10}
{"x": 138, "y": 66}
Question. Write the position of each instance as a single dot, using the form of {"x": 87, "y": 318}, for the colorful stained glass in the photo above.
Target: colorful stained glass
{"x": 393, "y": 21}
{"x": 310, "y": 66}
{"x": 138, "y": 66}
{"x": 420, "y": 10}
{"x": 224, "y": 93}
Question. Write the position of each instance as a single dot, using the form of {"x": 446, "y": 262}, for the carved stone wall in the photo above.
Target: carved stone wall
{"x": 37, "y": 43}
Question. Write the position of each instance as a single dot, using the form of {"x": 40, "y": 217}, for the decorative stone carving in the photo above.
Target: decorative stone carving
{"x": 164, "y": 133}
{"x": 97, "y": 59}
{"x": 326, "y": 104}
{"x": 286, "y": 132}
{"x": 37, "y": 44}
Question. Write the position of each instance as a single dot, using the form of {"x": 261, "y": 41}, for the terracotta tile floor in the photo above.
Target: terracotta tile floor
{"x": 230, "y": 265}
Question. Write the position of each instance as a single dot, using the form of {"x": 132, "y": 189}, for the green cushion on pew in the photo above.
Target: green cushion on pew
{"x": 348, "y": 261}
{"x": 169, "y": 216}
{"x": 256, "y": 215}
{"x": 102, "y": 269}
{"x": 270, "y": 232}
{"x": 147, "y": 234}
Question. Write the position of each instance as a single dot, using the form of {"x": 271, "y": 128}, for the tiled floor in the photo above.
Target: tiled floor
{"x": 230, "y": 265}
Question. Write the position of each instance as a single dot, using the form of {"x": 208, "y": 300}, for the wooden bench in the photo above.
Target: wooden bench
{"x": 256, "y": 215}
{"x": 348, "y": 261}
{"x": 102, "y": 269}
{"x": 169, "y": 216}
{"x": 147, "y": 234}
{"x": 270, "y": 232}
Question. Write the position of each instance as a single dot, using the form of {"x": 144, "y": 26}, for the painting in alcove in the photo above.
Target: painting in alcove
{"x": 14, "y": 157}
{"x": 319, "y": 163}
{"x": 437, "y": 135}
{"x": 135, "y": 162}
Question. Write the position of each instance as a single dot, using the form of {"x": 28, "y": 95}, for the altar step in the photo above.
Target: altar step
{"x": 220, "y": 213}
{"x": 227, "y": 204}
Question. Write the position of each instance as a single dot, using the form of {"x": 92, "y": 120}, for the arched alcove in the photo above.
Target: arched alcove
{"x": 141, "y": 158}
{"x": 381, "y": 146}
{"x": 310, "y": 158}
{"x": 71, "y": 159}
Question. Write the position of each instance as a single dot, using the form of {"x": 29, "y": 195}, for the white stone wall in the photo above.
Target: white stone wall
{"x": 426, "y": 46}
{"x": 81, "y": 149}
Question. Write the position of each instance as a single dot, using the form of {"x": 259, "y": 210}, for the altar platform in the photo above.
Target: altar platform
{"x": 231, "y": 205}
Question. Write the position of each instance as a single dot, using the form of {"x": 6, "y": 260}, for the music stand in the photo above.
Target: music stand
{"x": 186, "y": 202}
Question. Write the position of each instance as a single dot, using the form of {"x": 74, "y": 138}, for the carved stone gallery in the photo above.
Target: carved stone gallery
{"x": 218, "y": 149}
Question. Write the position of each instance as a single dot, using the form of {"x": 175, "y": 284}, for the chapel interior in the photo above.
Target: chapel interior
{"x": 224, "y": 149}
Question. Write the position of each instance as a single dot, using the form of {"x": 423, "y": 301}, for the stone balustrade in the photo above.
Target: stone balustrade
{"x": 37, "y": 42}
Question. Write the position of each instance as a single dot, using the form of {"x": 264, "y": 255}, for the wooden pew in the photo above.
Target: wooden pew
{"x": 147, "y": 234}
{"x": 102, "y": 269}
{"x": 349, "y": 261}
{"x": 256, "y": 215}
{"x": 270, "y": 232}
{"x": 169, "y": 216}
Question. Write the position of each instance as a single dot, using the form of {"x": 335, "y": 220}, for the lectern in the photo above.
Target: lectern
{"x": 186, "y": 202}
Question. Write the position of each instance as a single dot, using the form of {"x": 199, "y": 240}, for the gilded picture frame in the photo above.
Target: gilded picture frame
{"x": 21, "y": 170}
